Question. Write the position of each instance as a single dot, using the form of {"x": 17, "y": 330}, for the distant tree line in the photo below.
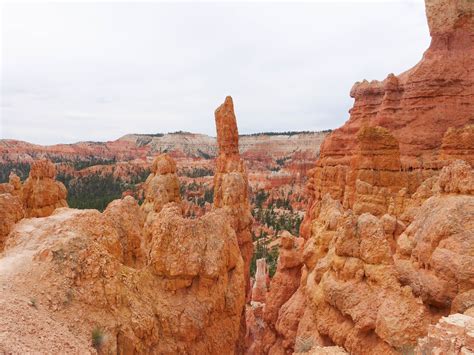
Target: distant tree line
{"x": 90, "y": 161}
{"x": 197, "y": 172}
{"x": 96, "y": 191}
{"x": 262, "y": 251}
{"x": 21, "y": 169}
{"x": 287, "y": 133}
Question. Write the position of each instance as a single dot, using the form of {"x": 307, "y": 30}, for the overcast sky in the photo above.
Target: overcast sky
{"x": 97, "y": 71}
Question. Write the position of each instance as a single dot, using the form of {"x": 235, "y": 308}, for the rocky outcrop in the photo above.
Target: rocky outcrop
{"x": 167, "y": 306}
{"x": 457, "y": 178}
{"x": 13, "y": 186}
{"x": 351, "y": 285}
{"x": 134, "y": 279}
{"x": 433, "y": 253}
{"x": 231, "y": 192}
{"x": 427, "y": 111}
{"x": 162, "y": 185}
{"x": 11, "y": 211}
{"x": 374, "y": 284}
{"x": 389, "y": 229}
{"x": 128, "y": 219}
{"x": 41, "y": 193}
{"x": 457, "y": 144}
{"x": 274, "y": 313}
{"x": 15, "y": 182}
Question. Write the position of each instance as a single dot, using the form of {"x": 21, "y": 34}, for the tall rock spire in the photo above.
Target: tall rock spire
{"x": 226, "y": 125}
{"x": 231, "y": 181}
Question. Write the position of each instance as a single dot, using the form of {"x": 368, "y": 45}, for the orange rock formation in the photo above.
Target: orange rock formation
{"x": 11, "y": 211}
{"x": 162, "y": 185}
{"x": 151, "y": 280}
{"x": 389, "y": 229}
{"x": 427, "y": 112}
{"x": 231, "y": 181}
{"x": 41, "y": 193}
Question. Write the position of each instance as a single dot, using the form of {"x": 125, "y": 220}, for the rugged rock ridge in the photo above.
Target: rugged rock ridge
{"x": 429, "y": 111}
{"x": 373, "y": 284}
{"x": 389, "y": 231}
{"x": 39, "y": 196}
{"x": 151, "y": 280}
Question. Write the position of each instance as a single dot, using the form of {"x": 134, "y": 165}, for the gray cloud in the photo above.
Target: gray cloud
{"x": 96, "y": 71}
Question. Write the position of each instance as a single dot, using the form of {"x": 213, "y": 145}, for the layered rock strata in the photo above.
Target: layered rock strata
{"x": 389, "y": 230}
{"x": 428, "y": 112}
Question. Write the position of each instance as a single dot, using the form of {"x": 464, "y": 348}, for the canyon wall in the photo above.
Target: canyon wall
{"x": 405, "y": 128}
{"x": 388, "y": 233}
{"x": 257, "y": 147}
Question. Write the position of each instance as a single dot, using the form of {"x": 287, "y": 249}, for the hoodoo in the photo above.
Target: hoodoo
{"x": 231, "y": 181}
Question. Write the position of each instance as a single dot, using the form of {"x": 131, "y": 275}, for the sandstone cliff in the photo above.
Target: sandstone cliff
{"x": 426, "y": 111}
{"x": 259, "y": 147}
{"x": 389, "y": 230}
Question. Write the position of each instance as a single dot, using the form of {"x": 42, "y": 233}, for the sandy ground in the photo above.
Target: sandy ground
{"x": 26, "y": 326}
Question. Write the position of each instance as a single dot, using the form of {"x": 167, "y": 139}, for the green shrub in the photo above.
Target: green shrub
{"x": 98, "y": 337}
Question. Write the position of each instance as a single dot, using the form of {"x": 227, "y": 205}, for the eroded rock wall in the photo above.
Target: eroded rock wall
{"x": 389, "y": 231}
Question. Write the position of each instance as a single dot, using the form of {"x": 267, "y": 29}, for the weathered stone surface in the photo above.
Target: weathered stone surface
{"x": 161, "y": 186}
{"x": 167, "y": 306}
{"x": 457, "y": 178}
{"x": 389, "y": 228}
{"x": 452, "y": 335}
{"x": 42, "y": 194}
{"x": 428, "y": 110}
{"x": 11, "y": 211}
{"x": 128, "y": 219}
{"x": 259, "y": 288}
{"x": 434, "y": 252}
{"x": 447, "y": 16}
{"x": 457, "y": 144}
{"x": 231, "y": 181}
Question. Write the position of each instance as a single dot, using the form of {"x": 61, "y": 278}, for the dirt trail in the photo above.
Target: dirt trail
{"x": 26, "y": 325}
